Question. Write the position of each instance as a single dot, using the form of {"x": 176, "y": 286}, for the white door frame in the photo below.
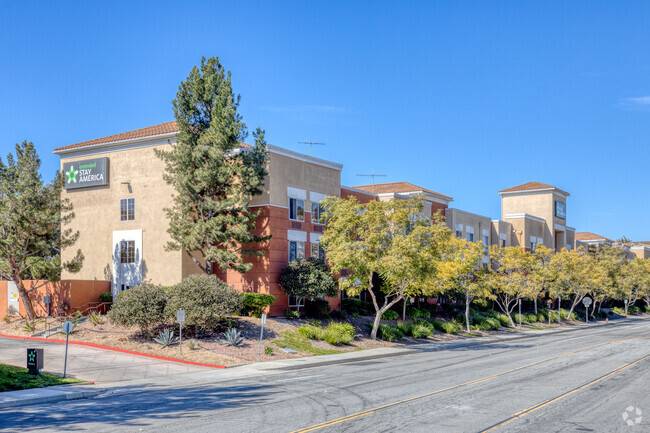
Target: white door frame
{"x": 126, "y": 274}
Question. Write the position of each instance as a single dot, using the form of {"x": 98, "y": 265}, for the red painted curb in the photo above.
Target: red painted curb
{"x": 115, "y": 349}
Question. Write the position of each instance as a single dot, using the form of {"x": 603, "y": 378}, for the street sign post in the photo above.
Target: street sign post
{"x": 47, "y": 300}
{"x": 180, "y": 318}
{"x": 259, "y": 355}
{"x": 34, "y": 360}
{"x": 626, "y": 308}
{"x": 586, "y": 301}
{"x": 67, "y": 328}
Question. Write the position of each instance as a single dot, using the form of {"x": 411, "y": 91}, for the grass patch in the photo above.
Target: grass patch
{"x": 15, "y": 378}
{"x": 299, "y": 343}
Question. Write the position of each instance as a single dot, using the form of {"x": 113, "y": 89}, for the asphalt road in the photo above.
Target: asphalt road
{"x": 582, "y": 380}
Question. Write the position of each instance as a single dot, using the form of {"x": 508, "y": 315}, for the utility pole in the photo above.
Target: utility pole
{"x": 310, "y": 143}
{"x": 372, "y": 175}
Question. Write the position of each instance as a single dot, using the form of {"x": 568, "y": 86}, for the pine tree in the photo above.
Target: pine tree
{"x": 33, "y": 220}
{"x": 213, "y": 175}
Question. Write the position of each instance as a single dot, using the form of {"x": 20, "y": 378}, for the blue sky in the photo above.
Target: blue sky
{"x": 465, "y": 98}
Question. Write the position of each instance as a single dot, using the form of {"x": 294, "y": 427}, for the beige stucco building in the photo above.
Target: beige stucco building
{"x": 538, "y": 214}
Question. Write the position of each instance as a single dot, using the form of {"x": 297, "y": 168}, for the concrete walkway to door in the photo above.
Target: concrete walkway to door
{"x": 92, "y": 364}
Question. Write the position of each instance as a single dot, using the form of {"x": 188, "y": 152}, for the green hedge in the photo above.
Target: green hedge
{"x": 256, "y": 303}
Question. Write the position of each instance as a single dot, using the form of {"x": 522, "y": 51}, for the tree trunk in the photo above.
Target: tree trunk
{"x": 535, "y": 305}
{"x": 573, "y": 306}
{"x": 24, "y": 296}
{"x": 404, "y": 310}
{"x": 467, "y": 300}
{"x": 382, "y": 310}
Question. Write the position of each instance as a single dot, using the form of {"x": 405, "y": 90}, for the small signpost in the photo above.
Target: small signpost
{"x": 34, "y": 360}
{"x": 559, "y": 308}
{"x": 67, "y": 328}
{"x": 259, "y": 355}
{"x": 626, "y": 308}
{"x": 586, "y": 301}
{"x": 180, "y": 318}
{"x": 47, "y": 300}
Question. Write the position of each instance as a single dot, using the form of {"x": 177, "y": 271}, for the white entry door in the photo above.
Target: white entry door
{"x": 127, "y": 260}
{"x": 12, "y": 298}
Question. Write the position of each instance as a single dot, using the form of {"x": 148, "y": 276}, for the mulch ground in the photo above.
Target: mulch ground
{"x": 209, "y": 350}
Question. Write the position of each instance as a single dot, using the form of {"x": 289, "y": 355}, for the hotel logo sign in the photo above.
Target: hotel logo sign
{"x": 90, "y": 172}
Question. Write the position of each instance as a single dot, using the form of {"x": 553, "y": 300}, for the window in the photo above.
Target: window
{"x": 296, "y": 250}
{"x": 127, "y": 252}
{"x": 316, "y": 213}
{"x": 470, "y": 237}
{"x": 317, "y": 251}
{"x": 503, "y": 243}
{"x": 532, "y": 246}
{"x": 127, "y": 209}
{"x": 486, "y": 240}
{"x": 295, "y": 301}
{"x": 296, "y": 209}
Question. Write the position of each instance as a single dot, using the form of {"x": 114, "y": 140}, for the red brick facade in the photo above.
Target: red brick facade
{"x": 264, "y": 277}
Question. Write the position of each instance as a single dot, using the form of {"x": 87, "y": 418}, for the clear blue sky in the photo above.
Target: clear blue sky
{"x": 465, "y": 98}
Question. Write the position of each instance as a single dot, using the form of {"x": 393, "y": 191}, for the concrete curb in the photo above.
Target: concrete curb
{"x": 50, "y": 394}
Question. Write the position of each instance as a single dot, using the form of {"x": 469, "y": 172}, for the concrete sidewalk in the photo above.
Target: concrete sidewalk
{"x": 93, "y": 364}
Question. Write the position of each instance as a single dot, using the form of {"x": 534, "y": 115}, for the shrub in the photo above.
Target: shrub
{"x": 338, "y": 333}
{"x": 633, "y": 309}
{"x": 451, "y": 328}
{"x": 291, "y": 314}
{"x": 530, "y": 318}
{"x": 647, "y": 308}
{"x": 205, "y": 299}
{"x": 503, "y": 319}
{"x": 268, "y": 350}
{"x": 619, "y": 311}
{"x": 421, "y": 331}
{"x": 354, "y": 305}
{"x": 256, "y": 303}
{"x": 404, "y": 328}
{"x": 542, "y": 315}
{"x": 338, "y": 314}
{"x": 488, "y": 324}
{"x": 311, "y": 332}
{"x": 319, "y": 308}
{"x": 142, "y": 306}
{"x": 516, "y": 317}
{"x": 416, "y": 313}
{"x": 308, "y": 278}
{"x": 389, "y": 333}
{"x": 390, "y": 315}
{"x": 106, "y": 297}
{"x": 446, "y": 327}
{"x": 193, "y": 345}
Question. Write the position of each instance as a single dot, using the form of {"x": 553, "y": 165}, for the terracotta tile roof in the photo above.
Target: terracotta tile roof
{"x": 398, "y": 187}
{"x": 587, "y": 236}
{"x": 150, "y": 131}
{"x": 531, "y": 186}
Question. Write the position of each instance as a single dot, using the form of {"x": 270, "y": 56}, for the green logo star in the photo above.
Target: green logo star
{"x": 72, "y": 175}
{"x": 32, "y": 356}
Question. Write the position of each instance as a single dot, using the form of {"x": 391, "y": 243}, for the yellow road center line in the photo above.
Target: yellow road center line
{"x": 472, "y": 382}
{"x": 538, "y": 406}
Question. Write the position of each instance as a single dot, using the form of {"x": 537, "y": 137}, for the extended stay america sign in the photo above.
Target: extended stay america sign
{"x": 89, "y": 172}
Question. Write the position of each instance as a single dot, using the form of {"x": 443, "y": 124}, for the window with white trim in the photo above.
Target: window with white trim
{"x": 127, "y": 209}
{"x": 295, "y": 301}
{"x": 296, "y": 250}
{"x": 316, "y": 213}
{"x": 296, "y": 209}
{"x": 459, "y": 230}
{"x": 317, "y": 251}
{"x": 503, "y": 243}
